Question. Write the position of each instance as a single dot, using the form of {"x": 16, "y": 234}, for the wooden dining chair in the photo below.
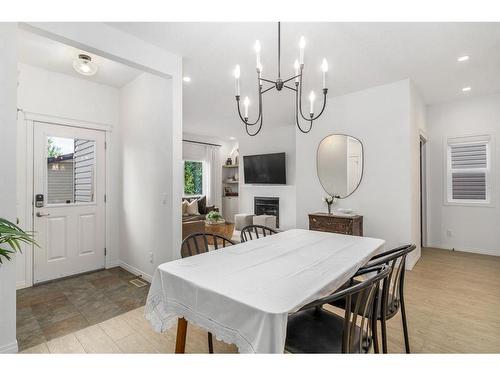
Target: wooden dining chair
{"x": 198, "y": 243}
{"x": 392, "y": 291}
{"x": 250, "y": 231}
{"x": 315, "y": 330}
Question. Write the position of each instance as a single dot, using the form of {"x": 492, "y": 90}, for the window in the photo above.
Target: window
{"x": 468, "y": 161}
{"x": 70, "y": 170}
{"x": 193, "y": 177}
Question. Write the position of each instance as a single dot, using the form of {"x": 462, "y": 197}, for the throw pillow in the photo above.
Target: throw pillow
{"x": 184, "y": 207}
{"x": 192, "y": 207}
{"x": 202, "y": 205}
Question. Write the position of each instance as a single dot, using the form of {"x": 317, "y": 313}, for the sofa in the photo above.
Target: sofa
{"x": 203, "y": 209}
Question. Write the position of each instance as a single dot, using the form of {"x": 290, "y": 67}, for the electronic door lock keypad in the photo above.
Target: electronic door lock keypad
{"x": 39, "y": 200}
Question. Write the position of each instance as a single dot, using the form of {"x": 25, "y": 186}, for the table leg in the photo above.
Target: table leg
{"x": 180, "y": 341}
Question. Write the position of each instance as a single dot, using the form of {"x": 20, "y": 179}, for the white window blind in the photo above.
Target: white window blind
{"x": 468, "y": 171}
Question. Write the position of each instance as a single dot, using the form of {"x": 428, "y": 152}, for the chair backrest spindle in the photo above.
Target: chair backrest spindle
{"x": 202, "y": 243}
{"x": 248, "y": 232}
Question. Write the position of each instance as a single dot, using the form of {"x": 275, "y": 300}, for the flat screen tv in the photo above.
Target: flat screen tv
{"x": 265, "y": 169}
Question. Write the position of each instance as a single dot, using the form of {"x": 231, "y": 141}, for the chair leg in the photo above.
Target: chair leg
{"x": 375, "y": 336}
{"x": 210, "y": 344}
{"x": 405, "y": 327}
{"x": 384, "y": 333}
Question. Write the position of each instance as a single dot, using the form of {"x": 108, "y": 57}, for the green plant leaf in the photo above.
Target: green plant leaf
{"x": 13, "y": 236}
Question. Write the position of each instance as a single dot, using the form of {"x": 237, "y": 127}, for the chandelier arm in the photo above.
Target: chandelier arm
{"x": 300, "y": 95}
{"x": 257, "y": 132}
{"x": 325, "y": 91}
{"x": 267, "y": 80}
{"x": 290, "y": 88}
{"x": 259, "y": 86}
{"x": 261, "y": 117}
{"x": 297, "y": 115}
{"x": 242, "y": 118}
{"x": 268, "y": 89}
{"x": 289, "y": 79}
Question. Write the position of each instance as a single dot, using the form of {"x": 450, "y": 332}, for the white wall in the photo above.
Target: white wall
{"x": 473, "y": 229}
{"x": 8, "y": 103}
{"x": 380, "y": 118}
{"x": 271, "y": 139}
{"x": 418, "y": 127}
{"x": 60, "y": 95}
{"x": 146, "y": 174}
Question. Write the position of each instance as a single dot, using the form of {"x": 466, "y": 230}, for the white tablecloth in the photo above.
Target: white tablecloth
{"x": 244, "y": 293}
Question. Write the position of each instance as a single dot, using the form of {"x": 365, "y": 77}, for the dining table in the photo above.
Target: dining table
{"x": 243, "y": 294}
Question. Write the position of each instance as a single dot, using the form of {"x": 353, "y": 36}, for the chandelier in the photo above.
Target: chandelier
{"x": 279, "y": 84}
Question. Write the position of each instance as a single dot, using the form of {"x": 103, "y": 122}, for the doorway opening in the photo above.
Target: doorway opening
{"x": 423, "y": 191}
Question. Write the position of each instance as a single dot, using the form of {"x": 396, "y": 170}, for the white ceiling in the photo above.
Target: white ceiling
{"x": 360, "y": 55}
{"x": 57, "y": 57}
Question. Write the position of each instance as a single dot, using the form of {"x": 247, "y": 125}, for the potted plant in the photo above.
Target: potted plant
{"x": 214, "y": 217}
{"x": 11, "y": 239}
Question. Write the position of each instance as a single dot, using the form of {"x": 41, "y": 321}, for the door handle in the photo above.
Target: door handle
{"x": 39, "y": 214}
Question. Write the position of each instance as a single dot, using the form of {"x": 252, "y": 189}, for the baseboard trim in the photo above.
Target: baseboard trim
{"x": 135, "y": 271}
{"x": 22, "y": 285}
{"x": 9, "y": 348}
{"x": 460, "y": 250}
{"x": 409, "y": 265}
{"x": 113, "y": 264}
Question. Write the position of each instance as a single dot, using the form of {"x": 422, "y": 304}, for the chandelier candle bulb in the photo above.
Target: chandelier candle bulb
{"x": 324, "y": 68}
{"x": 296, "y": 65}
{"x": 237, "y": 77}
{"x": 257, "y": 51}
{"x": 302, "y": 44}
{"x": 246, "y": 103}
{"x": 312, "y": 97}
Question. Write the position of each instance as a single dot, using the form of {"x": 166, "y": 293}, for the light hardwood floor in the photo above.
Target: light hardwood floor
{"x": 453, "y": 306}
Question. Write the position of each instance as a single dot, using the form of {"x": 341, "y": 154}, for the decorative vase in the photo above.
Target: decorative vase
{"x": 329, "y": 209}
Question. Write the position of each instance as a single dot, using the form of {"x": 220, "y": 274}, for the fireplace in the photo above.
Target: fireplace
{"x": 267, "y": 206}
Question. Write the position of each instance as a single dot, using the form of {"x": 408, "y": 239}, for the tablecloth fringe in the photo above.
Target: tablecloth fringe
{"x": 162, "y": 319}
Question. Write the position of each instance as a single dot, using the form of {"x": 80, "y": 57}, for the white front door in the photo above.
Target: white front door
{"x": 69, "y": 211}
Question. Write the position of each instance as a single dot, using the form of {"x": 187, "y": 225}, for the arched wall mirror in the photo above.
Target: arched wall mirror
{"x": 339, "y": 163}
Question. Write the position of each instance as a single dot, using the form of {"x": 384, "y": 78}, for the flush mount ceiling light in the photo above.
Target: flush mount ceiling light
{"x": 466, "y": 89}
{"x": 463, "y": 58}
{"x": 279, "y": 84}
{"x": 84, "y": 65}
{"x": 186, "y": 79}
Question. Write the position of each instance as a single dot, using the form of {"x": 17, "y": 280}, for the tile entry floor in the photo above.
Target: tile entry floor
{"x": 60, "y": 307}
{"x": 452, "y": 307}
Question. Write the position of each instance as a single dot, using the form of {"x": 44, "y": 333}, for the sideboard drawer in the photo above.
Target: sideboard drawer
{"x": 352, "y": 225}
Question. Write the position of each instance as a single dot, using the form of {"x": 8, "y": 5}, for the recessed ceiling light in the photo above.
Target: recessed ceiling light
{"x": 186, "y": 79}
{"x": 232, "y": 138}
{"x": 465, "y": 89}
{"x": 84, "y": 65}
{"x": 463, "y": 58}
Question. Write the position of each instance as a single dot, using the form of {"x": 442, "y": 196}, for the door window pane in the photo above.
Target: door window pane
{"x": 70, "y": 170}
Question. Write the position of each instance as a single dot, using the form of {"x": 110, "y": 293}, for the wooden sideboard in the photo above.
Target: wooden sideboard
{"x": 343, "y": 224}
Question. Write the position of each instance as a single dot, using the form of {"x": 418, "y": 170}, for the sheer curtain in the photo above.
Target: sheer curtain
{"x": 213, "y": 176}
